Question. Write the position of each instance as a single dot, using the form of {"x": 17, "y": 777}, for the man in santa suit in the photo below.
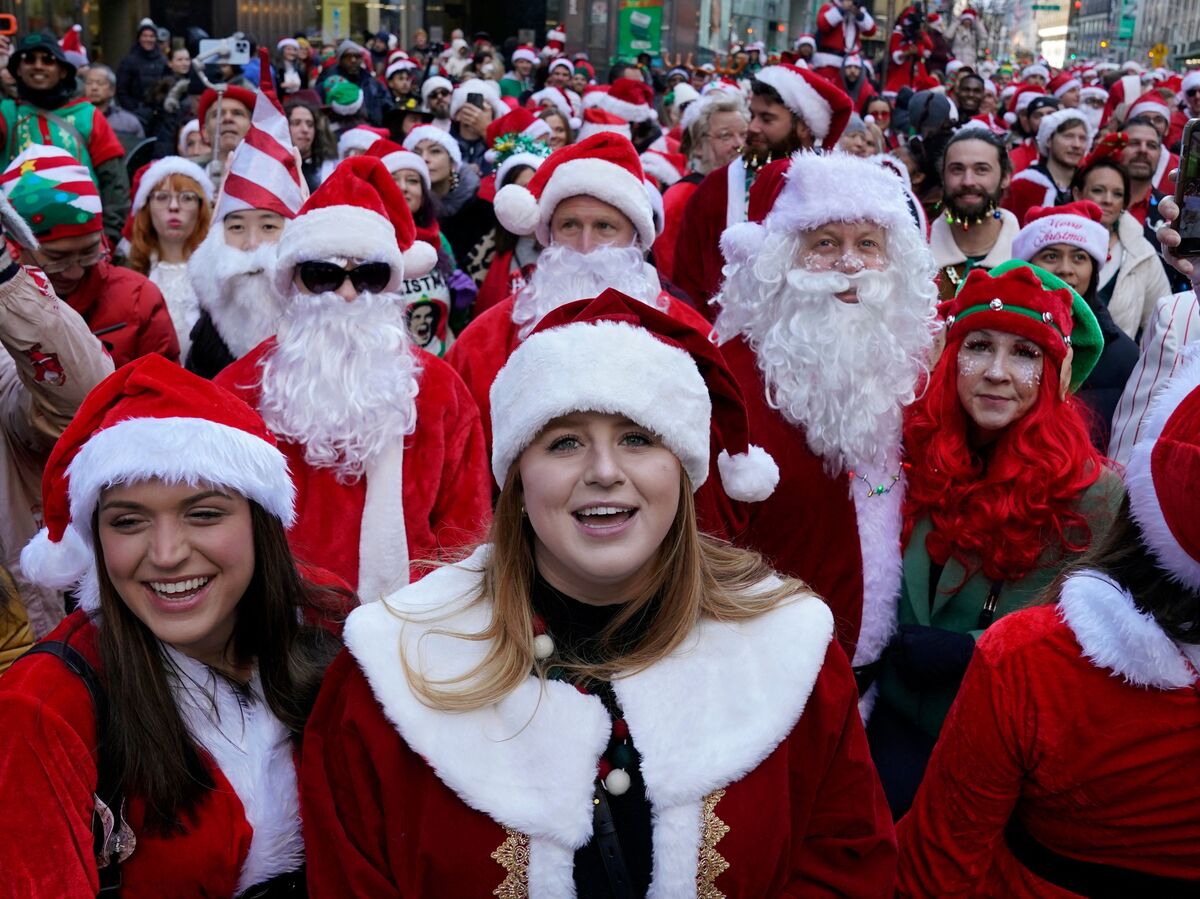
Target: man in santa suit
{"x": 382, "y": 439}
{"x": 1063, "y": 140}
{"x": 908, "y": 48}
{"x": 840, "y": 28}
{"x": 827, "y": 318}
{"x": 790, "y": 109}
{"x": 591, "y": 208}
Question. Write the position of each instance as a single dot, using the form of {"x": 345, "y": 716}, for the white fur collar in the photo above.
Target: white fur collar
{"x": 529, "y": 761}
{"x": 879, "y": 524}
{"x": 1116, "y": 635}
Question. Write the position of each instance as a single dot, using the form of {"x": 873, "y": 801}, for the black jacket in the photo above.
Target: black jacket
{"x": 208, "y": 354}
{"x": 137, "y": 75}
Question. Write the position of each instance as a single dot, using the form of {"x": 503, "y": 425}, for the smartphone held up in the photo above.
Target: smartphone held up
{"x": 1187, "y": 192}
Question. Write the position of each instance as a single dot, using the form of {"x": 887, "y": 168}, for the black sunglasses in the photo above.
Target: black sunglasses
{"x": 1192, "y": 91}
{"x": 325, "y": 277}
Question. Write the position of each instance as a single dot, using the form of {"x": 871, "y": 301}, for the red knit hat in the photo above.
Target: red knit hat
{"x": 613, "y": 354}
{"x": 357, "y": 212}
{"x": 1163, "y": 476}
{"x": 1075, "y": 224}
{"x": 823, "y": 105}
{"x": 149, "y": 419}
{"x": 605, "y": 166}
{"x": 630, "y": 98}
{"x": 243, "y": 95}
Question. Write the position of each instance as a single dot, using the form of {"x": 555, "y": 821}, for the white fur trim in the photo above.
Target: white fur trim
{"x": 355, "y": 139}
{"x": 57, "y": 565}
{"x": 161, "y": 169}
{"x": 748, "y": 477}
{"x": 1074, "y": 230}
{"x": 735, "y": 192}
{"x": 518, "y": 159}
{"x": 805, "y": 202}
{"x": 1051, "y": 122}
{"x": 516, "y": 209}
{"x": 526, "y": 54}
{"x": 1093, "y": 92}
{"x": 351, "y": 231}
{"x": 408, "y": 161}
{"x": 1190, "y": 80}
{"x": 432, "y": 83}
{"x": 1035, "y": 69}
{"x": 600, "y": 179}
{"x": 559, "y": 100}
{"x": 801, "y": 98}
{"x": 630, "y": 112}
{"x": 488, "y": 89}
{"x": 657, "y": 166}
{"x": 879, "y": 521}
{"x": 419, "y": 259}
{"x": 561, "y": 63}
{"x": 437, "y": 135}
{"x": 1116, "y": 635}
{"x": 608, "y": 367}
{"x": 589, "y": 127}
{"x": 189, "y": 127}
{"x": 349, "y": 108}
{"x": 383, "y": 541}
{"x": 1067, "y": 86}
{"x": 742, "y": 241}
{"x": 1148, "y": 106}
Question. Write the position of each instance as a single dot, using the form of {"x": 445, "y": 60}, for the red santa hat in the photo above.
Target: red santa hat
{"x": 72, "y": 47}
{"x": 1075, "y": 224}
{"x": 1052, "y": 121}
{"x": 1122, "y": 92}
{"x": 1020, "y": 101}
{"x": 615, "y": 355}
{"x": 1062, "y": 83}
{"x": 596, "y": 120}
{"x": 822, "y": 105}
{"x": 1035, "y": 68}
{"x": 490, "y": 91}
{"x": 242, "y": 95}
{"x": 147, "y": 179}
{"x": 358, "y": 212}
{"x": 527, "y": 53}
{"x": 968, "y": 13}
{"x": 667, "y": 168}
{"x": 399, "y": 65}
{"x": 1163, "y": 472}
{"x": 1093, "y": 92}
{"x": 804, "y": 39}
{"x": 559, "y": 100}
{"x": 1190, "y": 80}
{"x": 561, "y": 63}
{"x": 360, "y": 137}
{"x": 1149, "y": 103}
{"x": 605, "y": 166}
{"x": 432, "y": 132}
{"x": 556, "y": 41}
{"x": 148, "y": 419}
{"x": 631, "y": 99}
{"x": 397, "y": 159}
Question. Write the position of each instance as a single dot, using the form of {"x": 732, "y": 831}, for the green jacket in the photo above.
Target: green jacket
{"x": 958, "y": 603}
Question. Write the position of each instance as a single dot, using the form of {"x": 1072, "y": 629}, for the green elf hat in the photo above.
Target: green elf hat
{"x": 52, "y": 191}
{"x": 1021, "y": 298}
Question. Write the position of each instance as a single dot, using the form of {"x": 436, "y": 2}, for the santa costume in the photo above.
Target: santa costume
{"x": 732, "y": 766}
{"x": 909, "y": 47}
{"x": 825, "y": 382}
{"x": 839, "y": 36}
{"x": 383, "y": 439}
{"x": 150, "y": 419}
{"x": 1064, "y": 768}
{"x": 721, "y": 199}
{"x": 607, "y": 167}
{"x": 1034, "y": 185}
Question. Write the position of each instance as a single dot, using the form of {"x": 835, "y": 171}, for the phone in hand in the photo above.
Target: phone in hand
{"x": 475, "y": 99}
{"x": 8, "y": 24}
{"x": 1187, "y": 192}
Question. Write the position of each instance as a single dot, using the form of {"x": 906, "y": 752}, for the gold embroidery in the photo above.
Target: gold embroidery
{"x": 712, "y": 864}
{"x": 513, "y": 856}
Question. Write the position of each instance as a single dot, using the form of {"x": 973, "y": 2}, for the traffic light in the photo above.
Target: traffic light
{"x": 1104, "y": 45}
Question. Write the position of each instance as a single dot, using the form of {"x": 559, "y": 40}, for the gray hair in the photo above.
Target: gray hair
{"x": 108, "y": 73}
{"x": 708, "y": 106}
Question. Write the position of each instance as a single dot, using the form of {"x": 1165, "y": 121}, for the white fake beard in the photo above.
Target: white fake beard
{"x": 237, "y": 288}
{"x": 342, "y": 380}
{"x": 842, "y": 371}
{"x": 564, "y": 275}
{"x": 1093, "y": 116}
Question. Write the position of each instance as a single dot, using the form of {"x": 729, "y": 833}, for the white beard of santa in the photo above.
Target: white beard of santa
{"x": 236, "y": 288}
{"x": 341, "y": 380}
{"x": 564, "y": 275}
{"x": 842, "y": 371}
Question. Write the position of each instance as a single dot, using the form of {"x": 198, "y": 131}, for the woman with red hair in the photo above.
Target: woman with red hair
{"x": 1004, "y": 489}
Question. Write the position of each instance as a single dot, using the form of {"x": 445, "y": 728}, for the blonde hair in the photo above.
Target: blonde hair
{"x": 696, "y": 577}
{"x": 144, "y": 241}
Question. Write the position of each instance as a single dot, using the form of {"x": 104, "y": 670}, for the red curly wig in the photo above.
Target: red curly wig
{"x": 998, "y": 511}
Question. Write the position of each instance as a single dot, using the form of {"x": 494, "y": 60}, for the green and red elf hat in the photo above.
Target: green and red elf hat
{"x": 1020, "y": 298}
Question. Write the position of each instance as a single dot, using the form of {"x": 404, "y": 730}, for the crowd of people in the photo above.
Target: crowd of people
{"x": 460, "y": 470}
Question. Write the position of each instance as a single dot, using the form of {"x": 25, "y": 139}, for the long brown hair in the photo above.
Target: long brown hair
{"x": 696, "y": 577}
{"x": 144, "y": 242}
{"x": 152, "y": 749}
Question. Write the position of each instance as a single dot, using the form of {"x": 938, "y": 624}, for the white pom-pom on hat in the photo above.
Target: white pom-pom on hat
{"x": 56, "y": 565}
{"x": 516, "y": 209}
{"x": 748, "y": 477}
{"x": 419, "y": 259}
{"x": 742, "y": 241}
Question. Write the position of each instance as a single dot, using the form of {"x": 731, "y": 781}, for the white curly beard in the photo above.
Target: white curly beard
{"x": 564, "y": 275}
{"x": 842, "y": 371}
{"x": 237, "y": 289}
{"x": 342, "y": 379}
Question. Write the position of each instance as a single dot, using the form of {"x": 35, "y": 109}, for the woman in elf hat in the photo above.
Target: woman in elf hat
{"x": 150, "y": 741}
{"x": 599, "y": 701}
{"x": 1067, "y": 765}
{"x": 1004, "y": 490}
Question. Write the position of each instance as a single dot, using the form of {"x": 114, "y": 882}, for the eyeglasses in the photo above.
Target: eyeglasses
{"x": 439, "y": 93}
{"x": 325, "y": 277}
{"x": 188, "y": 198}
{"x": 728, "y": 136}
{"x": 54, "y": 266}
{"x": 1192, "y": 91}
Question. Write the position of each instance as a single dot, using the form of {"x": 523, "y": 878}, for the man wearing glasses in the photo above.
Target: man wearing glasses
{"x": 435, "y": 95}
{"x": 52, "y": 191}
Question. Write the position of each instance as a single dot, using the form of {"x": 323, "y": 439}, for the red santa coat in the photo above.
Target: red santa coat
{"x": 1023, "y": 155}
{"x": 837, "y": 37}
{"x": 752, "y": 751}
{"x": 904, "y": 70}
{"x": 718, "y": 202}
{"x": 48, "y": 769}
{"x": 131, "y": 305}
{"x": 1029, "y": 188}
{"x": 674, "y": 202}
{"x": 1082, "y": 720}
{"x": 436, "y": 500}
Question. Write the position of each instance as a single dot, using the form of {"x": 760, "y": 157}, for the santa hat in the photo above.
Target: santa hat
{"x": 400, "y": 65}
{"x": 615, "y": 355}
{"x": 595, "y": 121}
{"x": 358, "y": 212}
{"x": 630, "y": 98}
{"x": 604, "y": 166}
{"x": 53, "y": 192}
{"x": 397, "y": 159}
{"x": 344, "y": 97}
{"x": 559, "y": 100}
{"x": 433, "y": 83}
{"x": 556, "y": 41}
{"x": 151, "y": 175}
{"x": 1163, "y": 472}
{"x": 189, "y": 127}
{"x": 437, "y": 135}
{"x": 1190, "y": 80}
{"x": 1122, "y": 92}
{"x": 681, "y": 95}
{"x": 1075, "y": 224}
{"x": 527, "y": 53}
{"x": 519, "y": 122}
{"x": 1109, "y": 147}
{"x": 951, "y": 67}
{"x": 1149, "y": 103}
{"x": 287, "y": 42}
{"x": 1092, "y": 92}
{"x": 72, "y": 47}
{"x": 1052, "y": 121}
{"x": 561, "y": 63}
{"x": 1063, "y": 83}
{"x": 361, "y": 138}
{"x": 822, "y": 105}
{"x": 242, "y": 95}
{"x": 666, "y": 167}
{"x": 148, "y": 419}
{"x": 808, "y": 39}
{"x": 968, "y": 13}
{"x": 488, "y": 89}
{"x": 1035, "y": 68}
{"x": 1021, "y": 98}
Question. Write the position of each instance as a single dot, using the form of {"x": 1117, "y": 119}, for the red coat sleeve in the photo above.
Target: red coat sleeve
{"x": 463, "y": 508}
{"x": 157, "y": 332}
{"x": 103, "y": 144}
{"x": 698, "y": 261}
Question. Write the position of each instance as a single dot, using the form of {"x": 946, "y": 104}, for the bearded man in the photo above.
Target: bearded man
{"x": 590, "y": 207}
{"x": 382, "y": 439}
{"x": 827, "y": 319}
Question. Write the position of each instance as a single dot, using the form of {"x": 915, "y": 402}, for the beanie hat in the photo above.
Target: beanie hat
{"x": 1023, "y": 299}
{"x": 527, "y": 53}
{"x": 1075, "y": 224}
{"x": 490, "y": 91}
{"x": 344, "y": 97}
{"x": 604, "y": 166}
{"x": 1149, "y": 103}
{"x": 148, "y": 419}
{"x": 559, "y": 100}
{"x": 242, "y": 95}
{"x": 36, "y": 40}
{"x": 397, "y": 159}
{"x": 822, "y": 105}
{"x": 358, "y": 212}
{"x": 360, "y": 137}
{"x": 1052, "y": 121}
{"x": 667, "y": 168}
{"x": 438, "y": 136}
{"x": 432, "y": 83}
{"x": 1163, "y": 473}
{"x": 615, "y": 355}
{"x": 596, "y": 120}
{"x": 53, "y": 192}
{"x": 630, "y": 98}
{"x": 72, "y": 47}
